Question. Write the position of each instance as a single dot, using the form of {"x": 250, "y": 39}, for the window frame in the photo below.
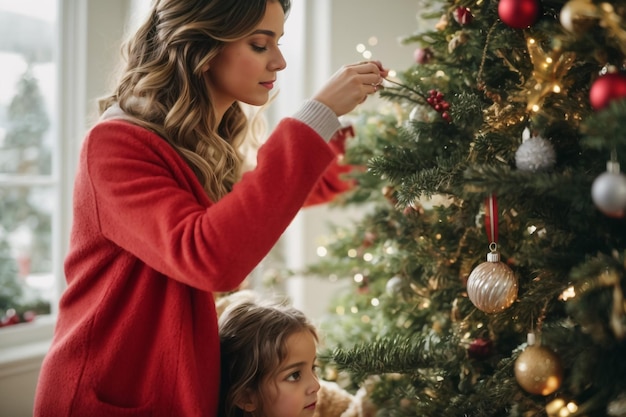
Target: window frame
{"x": 88, "y": 40}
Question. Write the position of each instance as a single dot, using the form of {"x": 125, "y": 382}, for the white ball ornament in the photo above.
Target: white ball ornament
{"x": 422, "y": 113}
{"x": 608, "y": 191}
{"x": 492, "y": 285}
{"x": 535, "y": 154}
{"x": 578, "y": 16}
{"x": 394, "y": 286}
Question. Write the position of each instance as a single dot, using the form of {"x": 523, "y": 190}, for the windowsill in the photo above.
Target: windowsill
{"x": 23, "y": 346}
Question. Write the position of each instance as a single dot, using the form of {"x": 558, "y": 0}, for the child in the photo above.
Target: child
{"x": 332, "y": 400}
{"x": 268, "y": 361}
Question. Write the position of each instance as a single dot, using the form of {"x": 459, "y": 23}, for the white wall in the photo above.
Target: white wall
{"x": 333, "y": 29}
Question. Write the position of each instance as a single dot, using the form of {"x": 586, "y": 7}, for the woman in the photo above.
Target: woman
{"x": 164, "y": 217}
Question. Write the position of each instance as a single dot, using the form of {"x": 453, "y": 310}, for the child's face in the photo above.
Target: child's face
{"x": 293, "y": 391}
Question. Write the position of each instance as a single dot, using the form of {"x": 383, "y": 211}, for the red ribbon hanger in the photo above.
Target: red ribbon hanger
{"x": 491, "y": 218}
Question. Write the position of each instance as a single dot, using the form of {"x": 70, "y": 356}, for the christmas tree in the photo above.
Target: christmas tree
{"x": 487, "y": 274}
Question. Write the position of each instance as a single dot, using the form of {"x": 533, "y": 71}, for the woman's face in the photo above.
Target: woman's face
{"x": 245, "y": 70}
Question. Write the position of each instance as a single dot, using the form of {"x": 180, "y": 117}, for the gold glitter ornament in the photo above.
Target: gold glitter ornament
{"x": 538, "y": 369}
{"x": 492, "y": 285}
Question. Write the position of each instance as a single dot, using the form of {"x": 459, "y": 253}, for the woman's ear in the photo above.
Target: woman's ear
{"x": 205, "y": 67}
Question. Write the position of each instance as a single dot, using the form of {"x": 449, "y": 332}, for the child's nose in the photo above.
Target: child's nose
{"x": 315, "y": 385}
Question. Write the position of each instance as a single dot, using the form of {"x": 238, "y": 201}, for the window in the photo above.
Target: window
{"x": 28, "y": 139}
{"x": 71, "y": 62}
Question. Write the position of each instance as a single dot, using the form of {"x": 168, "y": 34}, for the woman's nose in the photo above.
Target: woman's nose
{"x": 278, "y": 63}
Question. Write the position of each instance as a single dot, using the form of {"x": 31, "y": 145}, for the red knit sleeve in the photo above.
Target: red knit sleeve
{"x": 334, "y": 181}
{"x": 149, "y": 202}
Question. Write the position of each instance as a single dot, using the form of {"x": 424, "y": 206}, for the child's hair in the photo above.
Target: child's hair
{"x": 162, "y": 86}
{"x": 253, "y": 339}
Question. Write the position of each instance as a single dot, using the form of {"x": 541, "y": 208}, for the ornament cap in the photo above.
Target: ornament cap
{"x": 612, "y": 167}
{"x": 493, "y": 257}
{"x": 531, "y": 339}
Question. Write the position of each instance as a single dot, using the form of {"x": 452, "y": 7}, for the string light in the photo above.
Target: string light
{"x": 560, "y": 408}
{"x": 567, "y": 294}
{"x": 363, "y": 50}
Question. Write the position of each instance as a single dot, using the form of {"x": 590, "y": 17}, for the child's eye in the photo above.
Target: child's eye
{"x": 294, "y": 376}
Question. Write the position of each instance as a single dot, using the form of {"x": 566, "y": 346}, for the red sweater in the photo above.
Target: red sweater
{"x": 137, "y": 328}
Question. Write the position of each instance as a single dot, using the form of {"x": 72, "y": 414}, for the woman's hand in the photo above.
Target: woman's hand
{"x": 351, "y": 85}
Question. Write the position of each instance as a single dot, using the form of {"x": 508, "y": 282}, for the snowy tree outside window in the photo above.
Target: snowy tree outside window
{"x": 28, "y": 186}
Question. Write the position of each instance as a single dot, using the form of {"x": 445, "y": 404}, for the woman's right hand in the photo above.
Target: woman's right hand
{"x": 351, "y": 85}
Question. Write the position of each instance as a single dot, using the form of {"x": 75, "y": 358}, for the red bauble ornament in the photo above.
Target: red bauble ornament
{"x": 29, "y": 316}
{"x": 368, "y": 239}
{"x": 519, "y": 14}
{"x": 423, "y": 55}
{"x": 463, "y": 16}
{"x": 10, "y": 318}
{"x": 480, "y": 349}
{"x": 606, "y": 88}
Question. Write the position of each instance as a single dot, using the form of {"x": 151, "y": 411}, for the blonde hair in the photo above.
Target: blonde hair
{"x": 253, "y": 337}
{"x": 162, "y": 87}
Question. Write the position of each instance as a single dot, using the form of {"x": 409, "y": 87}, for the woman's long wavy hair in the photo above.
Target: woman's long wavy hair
{"x": 253, "y": 338}
{"x": 162, "y": 86}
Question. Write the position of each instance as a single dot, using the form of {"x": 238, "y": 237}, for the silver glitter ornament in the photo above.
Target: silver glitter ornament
{"x": 492, "y": 285}
{"x": 535, "y": 154}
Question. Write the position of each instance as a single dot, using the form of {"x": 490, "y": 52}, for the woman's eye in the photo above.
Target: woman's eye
{"x": 258, "y": 48}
